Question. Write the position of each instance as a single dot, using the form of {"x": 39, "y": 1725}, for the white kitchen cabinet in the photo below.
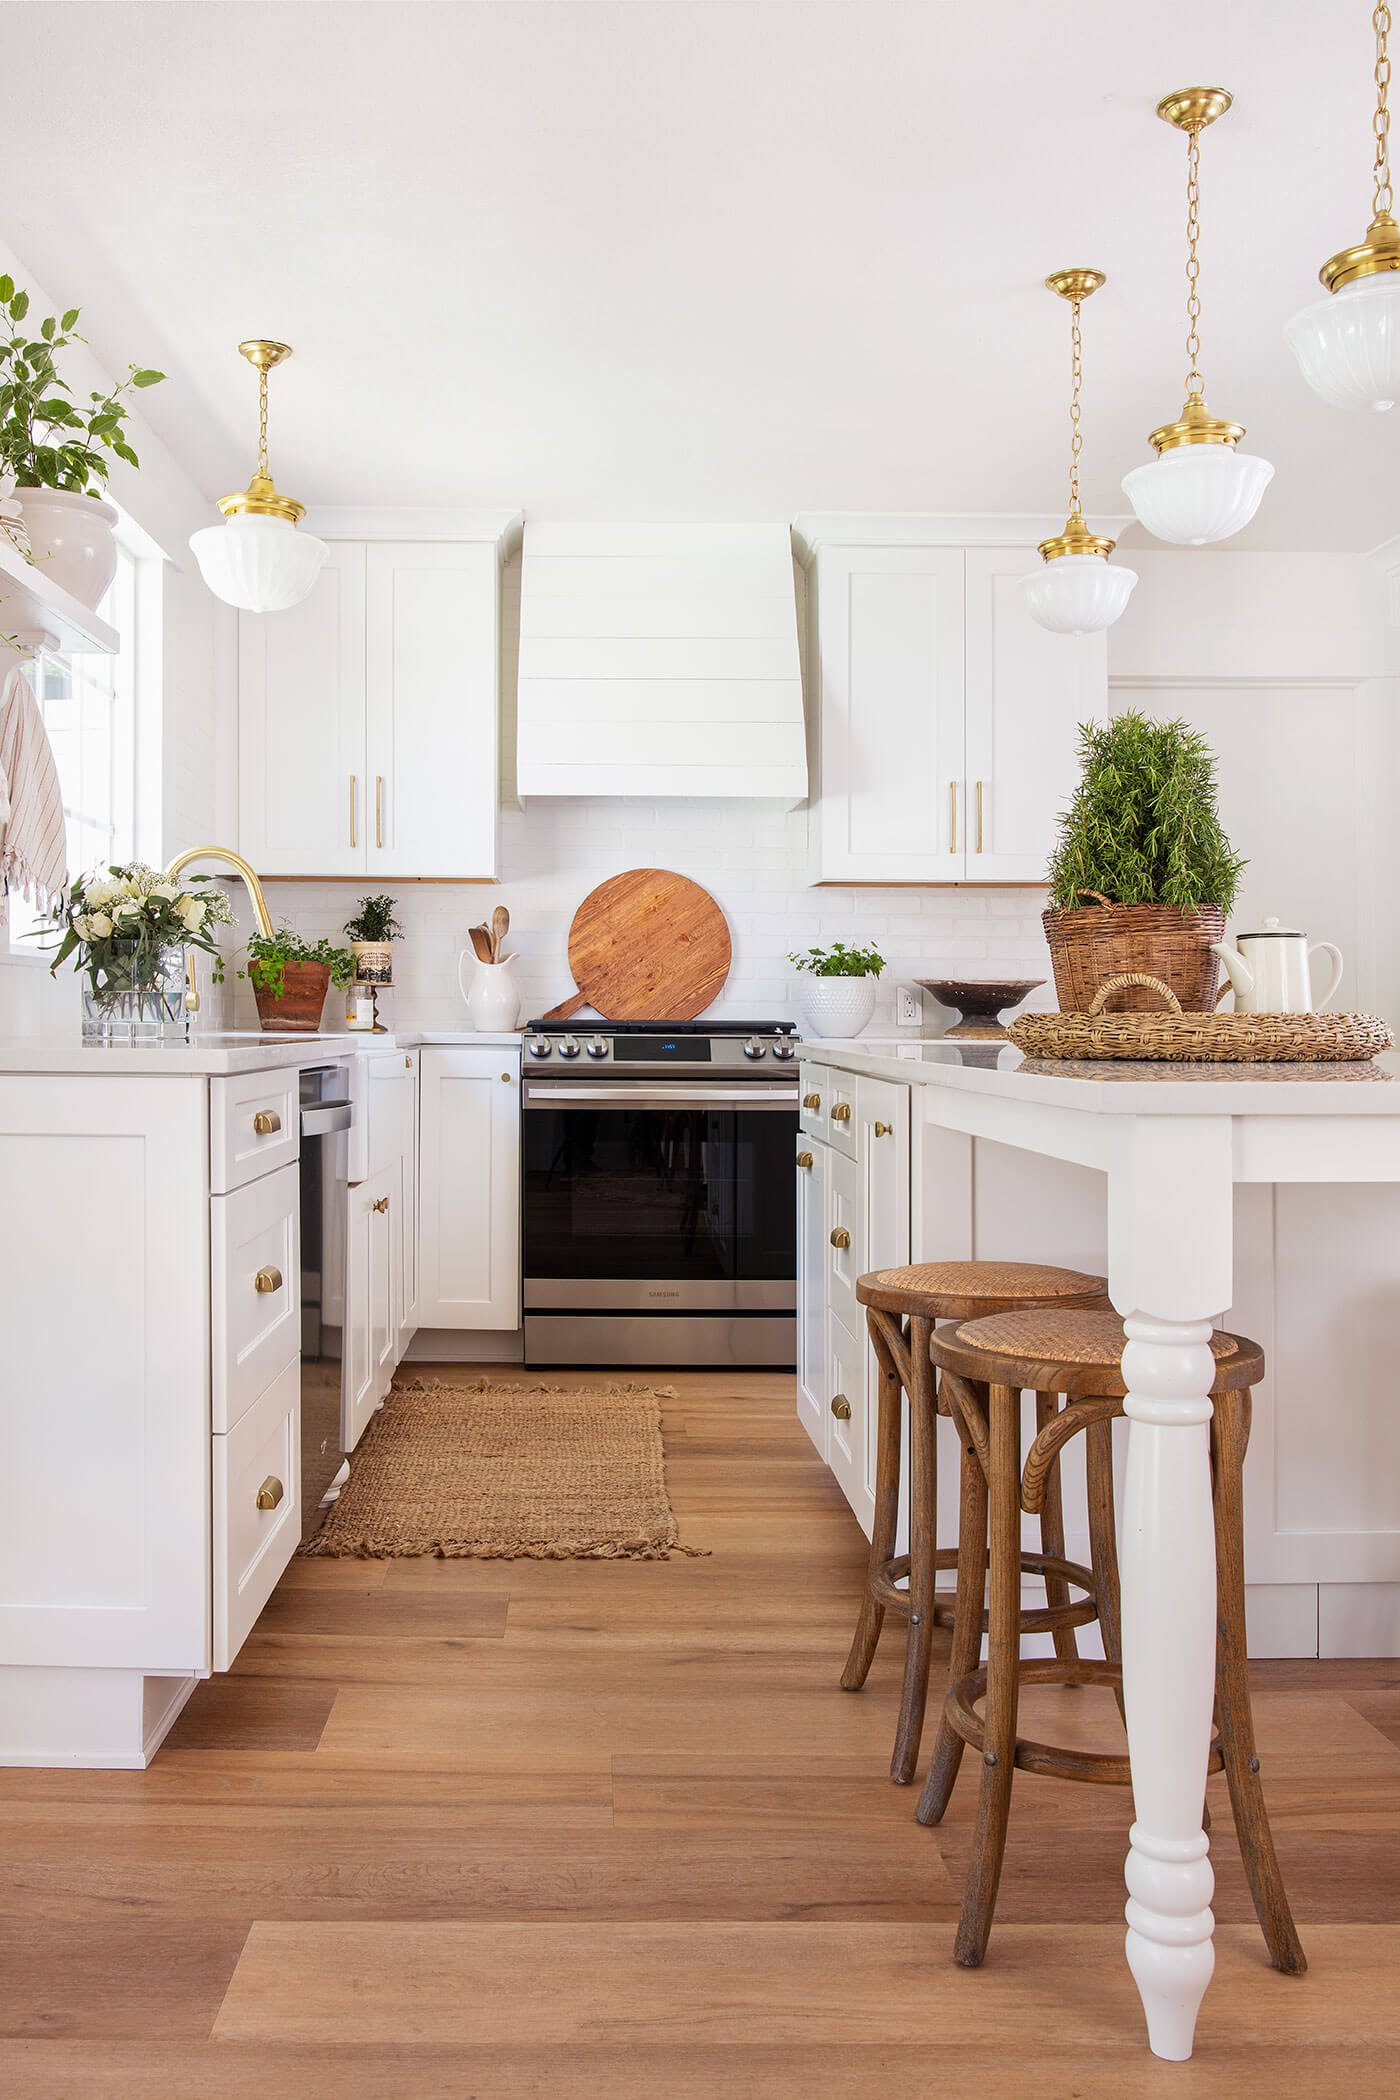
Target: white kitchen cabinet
{"x": 812, "y": 1228}
{"x": 469, "y": 1193}
{"x": 368, "y": 717}
{"x": 391, "y": 1093}
{"x": 373, "y": 1270}
{"x": 946, "y": 718}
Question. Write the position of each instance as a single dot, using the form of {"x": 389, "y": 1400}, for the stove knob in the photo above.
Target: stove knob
{"x": 597, "y": 1046}
{"x": 568, "y": 1046}
{"x": 540, "y": 1046}
{"x": 785, "y": 1047}
{"x": 754, "y": 1048}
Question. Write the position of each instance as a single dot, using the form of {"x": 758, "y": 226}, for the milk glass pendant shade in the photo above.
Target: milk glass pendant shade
{"x": 1077, "y": 590}
{"x": 1348, "y": 345}
{"x": 1200, "y": 487}
{"x": 257, "y": 560}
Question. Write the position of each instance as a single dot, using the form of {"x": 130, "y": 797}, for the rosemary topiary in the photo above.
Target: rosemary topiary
{"x": 1143, "y": 827}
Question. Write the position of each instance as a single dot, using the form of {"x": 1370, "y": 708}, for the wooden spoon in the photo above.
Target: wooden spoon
{"x": 500, "y": 927}
{"x": 481, "y": 944}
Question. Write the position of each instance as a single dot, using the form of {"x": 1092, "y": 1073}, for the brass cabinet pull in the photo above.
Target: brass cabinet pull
{"x": 379, "y": 811}
{"x": 408, "y": 1064}
{"x": 952, "y": 816}
{"x": 842, "y": 1112}
{"x": 840, "y": 1238}
{"x": 804, "y": 1159}
{"x": 354, "y": 784}
{"x": 841, "y": 1408}
{"x": 381, "y": 1204}
{"x": 266, "y": 1121}
{"x": 268, "y": 1279}
{"x": 884, "y": 1130}
{"x": 270, "y": 1493}
{"x": 979, "y": 816}
{"x": 812, "y": 1101}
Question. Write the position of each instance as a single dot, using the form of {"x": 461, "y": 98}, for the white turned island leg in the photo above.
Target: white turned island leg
{"x": 1168, "y": 1584}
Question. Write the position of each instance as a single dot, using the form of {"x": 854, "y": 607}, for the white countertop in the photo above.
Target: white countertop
{"x": 1120, "y": 1087}
{"x": 215, "y": 1053}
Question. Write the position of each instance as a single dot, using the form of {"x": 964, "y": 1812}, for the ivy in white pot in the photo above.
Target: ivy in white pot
{"x": 57, "y": 452}
{"x": 837, "y": 988}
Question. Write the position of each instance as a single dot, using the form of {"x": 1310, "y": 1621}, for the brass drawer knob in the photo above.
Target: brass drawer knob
{"x": 408, "y": 1064}
{"x": 380, "y": 1204}
{"x": 841, "y": 1408}
{"x": 840, "y": 1238}
{"x": 884, "y": 1130}
{"x": 270, "y": 1493}
{"x": 813, "y": 1101}
{"x": 266, "y": 1121}
{"x": 266, "y": 1280}
{"x": 804, "y": 1159}
{"x": 842, "y": 1112}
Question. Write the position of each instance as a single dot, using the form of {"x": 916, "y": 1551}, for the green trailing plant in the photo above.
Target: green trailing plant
{"x": 270, "y": 953}
{"x": 46, "y": 440}
{"x": 840, "y": 961}
{"x": 1143, "y": 826}
{"x": 374, "y": 919}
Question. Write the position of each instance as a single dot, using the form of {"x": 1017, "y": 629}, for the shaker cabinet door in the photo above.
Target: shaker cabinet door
{"x": 469, "y": 1194}
{"x": 812, "y": 1229}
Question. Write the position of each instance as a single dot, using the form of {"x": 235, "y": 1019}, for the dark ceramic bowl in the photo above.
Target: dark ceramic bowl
{"x": 979, "y": 1002}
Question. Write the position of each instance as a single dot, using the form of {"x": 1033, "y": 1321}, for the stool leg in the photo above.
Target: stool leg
{"x": 887, "y": 1428}
{"x": 923, "y": 1575}
{"x": 1052, "y": 1533}
{"x": 968, "y": 1609}
{"x": 1229, "y": 1438}
{"x": 1103, "y": 1541}
{"x": 1003, "y": 1677}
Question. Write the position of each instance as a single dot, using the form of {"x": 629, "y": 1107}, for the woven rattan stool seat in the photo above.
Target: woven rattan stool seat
{"x": 970, "y": 1290}
{"x": 1063, "y": 1350}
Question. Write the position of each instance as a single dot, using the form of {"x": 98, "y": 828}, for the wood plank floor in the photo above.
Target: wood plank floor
{"x": 565, "y": 1829}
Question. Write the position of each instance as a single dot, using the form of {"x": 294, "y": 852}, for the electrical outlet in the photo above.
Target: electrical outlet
{"x": 909, "y": 1006}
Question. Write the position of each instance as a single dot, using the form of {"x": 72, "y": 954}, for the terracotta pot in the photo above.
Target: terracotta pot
{"x": 71, "y": 540}
{"x": 298, "y": 1011}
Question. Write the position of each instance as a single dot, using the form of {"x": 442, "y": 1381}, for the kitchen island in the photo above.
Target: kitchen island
{"x": 1180, "y": 1154}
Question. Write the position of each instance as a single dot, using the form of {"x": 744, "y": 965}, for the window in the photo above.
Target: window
{"x": 98, "y": 726}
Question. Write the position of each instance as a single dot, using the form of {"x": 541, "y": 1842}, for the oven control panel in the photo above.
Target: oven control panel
{"x": 659, "y": 1049}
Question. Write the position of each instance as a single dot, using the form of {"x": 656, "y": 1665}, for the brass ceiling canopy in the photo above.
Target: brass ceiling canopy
{"x": 1191, "y": 109}
{"x": 261, "y": 498}
{"x": 1075, "y": 285}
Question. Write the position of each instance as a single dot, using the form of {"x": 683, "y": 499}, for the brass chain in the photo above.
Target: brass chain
{"x": 262, "y": 419}
{"x": 1195, "y": 382}
{"x": 1076, "y": 440}
{"x": 1380, "y": 123}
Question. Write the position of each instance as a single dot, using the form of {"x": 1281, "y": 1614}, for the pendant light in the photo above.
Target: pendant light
{"x": 1348, "y": 345}
{"x": 257, "y": 560}
{"x": 1078, "y": 590}
{"x": 1198, "y": 488}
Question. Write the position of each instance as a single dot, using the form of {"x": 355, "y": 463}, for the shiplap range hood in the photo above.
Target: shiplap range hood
{"x": 660, "y": 660}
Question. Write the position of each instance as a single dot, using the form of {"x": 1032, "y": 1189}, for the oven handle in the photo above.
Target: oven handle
{"x": 621, "y": 1094}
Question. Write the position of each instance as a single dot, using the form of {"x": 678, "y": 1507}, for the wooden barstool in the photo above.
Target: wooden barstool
{"x": 901, "y": 1307}
{"x": 985, "y": 1365}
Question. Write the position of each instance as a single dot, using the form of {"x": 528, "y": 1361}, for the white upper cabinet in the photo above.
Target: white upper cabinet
{"x": 368, "y": 716}
{"x": 946, "y": 719}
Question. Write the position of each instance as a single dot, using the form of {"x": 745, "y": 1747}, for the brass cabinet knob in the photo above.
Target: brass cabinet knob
{"x": 842, "y": 1112}
{"x": 268, "y": 1279}
{"x": 884, "y": 1130}
{"x": 266, "y": 1121}
{"x": 840, "y": 1237}
{"x": 408, "y": 1064}
{"x": 813, "y": 1101}
{"x": 505, "y": 1079}
{"x": 380, "y": 1204}
{"x": 841, "y": 1408}
{"x": 270, "y": 1493}
{"x": 804, "y": 1159}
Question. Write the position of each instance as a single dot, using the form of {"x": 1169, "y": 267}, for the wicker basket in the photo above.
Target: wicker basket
{"x": 1097, "y": 941}
{"x": 1175, "y": 1037}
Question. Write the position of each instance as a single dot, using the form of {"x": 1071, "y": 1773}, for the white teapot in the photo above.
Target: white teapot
{"x": 1269, "y": 970}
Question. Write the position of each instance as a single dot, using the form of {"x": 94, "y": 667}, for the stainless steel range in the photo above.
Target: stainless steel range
{"x": 659, "y": 1224}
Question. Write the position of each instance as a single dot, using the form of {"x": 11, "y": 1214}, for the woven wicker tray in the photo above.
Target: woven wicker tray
{"x": 1182, "y": 1038}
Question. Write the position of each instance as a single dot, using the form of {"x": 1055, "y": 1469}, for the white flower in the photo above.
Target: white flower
{"x": 129, "y": 908}
{"x": 191, "y": 911}
{"x": 101, "y": 890}
{"x": 166, "y": 891}
{"x": 98, "y": 927}
{"x": 82, "y": 926}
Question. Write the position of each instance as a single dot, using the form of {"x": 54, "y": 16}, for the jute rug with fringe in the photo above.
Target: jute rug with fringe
{"x": 490, "y": 1471}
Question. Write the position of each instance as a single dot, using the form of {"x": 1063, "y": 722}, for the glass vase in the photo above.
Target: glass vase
{"x": 140, "y": 1002}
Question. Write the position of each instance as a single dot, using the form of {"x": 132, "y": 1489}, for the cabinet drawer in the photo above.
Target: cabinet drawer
{"x": 844, "y": 1264}
{"x": 847, "y": 1437}
{"x": 255, "y": 1266}
{"x": 815, "y": 1081}
{"x": 260, "y": 1456}
{"x": 254, "y": 1127}
{"x": 840, "y": 1104}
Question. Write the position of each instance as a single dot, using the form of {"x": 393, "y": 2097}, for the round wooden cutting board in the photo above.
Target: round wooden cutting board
{"x": 647, "y": 946}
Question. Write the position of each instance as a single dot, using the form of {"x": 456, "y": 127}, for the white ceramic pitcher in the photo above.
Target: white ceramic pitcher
{"x": 493, "y": 1003}
{"x": 1270, "y": 970}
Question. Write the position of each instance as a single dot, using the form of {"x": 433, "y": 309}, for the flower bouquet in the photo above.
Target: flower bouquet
{"x": 127, "y": 930}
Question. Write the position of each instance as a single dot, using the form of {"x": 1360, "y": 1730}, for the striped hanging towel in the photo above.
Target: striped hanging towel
{"x": 33, "y": 836}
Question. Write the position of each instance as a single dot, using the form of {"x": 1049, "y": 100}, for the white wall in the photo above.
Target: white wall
{"x": 197, "y": 668}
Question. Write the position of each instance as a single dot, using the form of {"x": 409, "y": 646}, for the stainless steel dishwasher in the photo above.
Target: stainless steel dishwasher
{"x": 326, "y": 1118}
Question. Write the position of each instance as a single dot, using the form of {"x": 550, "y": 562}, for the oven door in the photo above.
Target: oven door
{"x": 659, "y": 1196}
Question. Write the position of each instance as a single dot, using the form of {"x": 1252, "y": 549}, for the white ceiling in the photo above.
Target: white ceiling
{"x": 699, "y": 259}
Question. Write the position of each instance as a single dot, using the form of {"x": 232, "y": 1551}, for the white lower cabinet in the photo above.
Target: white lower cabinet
{"x": 469, "y": 1198}
{"x": 812, "y": 1396}
{"x": 257, "y": 1509}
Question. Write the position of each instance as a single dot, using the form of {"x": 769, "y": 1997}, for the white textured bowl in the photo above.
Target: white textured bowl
{"x": 836, "y": 1006}
{"x": 71, "y": 541}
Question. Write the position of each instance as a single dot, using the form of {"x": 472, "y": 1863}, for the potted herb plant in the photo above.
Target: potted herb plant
{"x": 837, "y": 988}
{"x": 127, "y": 930}
{"x": 1143, "y": 875}
{"x": 57, "y": 451}
{"x": 371, "y": 931}
{"x": 290, "y": 977}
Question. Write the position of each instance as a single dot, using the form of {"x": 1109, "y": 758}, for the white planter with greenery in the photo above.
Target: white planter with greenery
{"x": 836, "y": 988}
{"x": 72, "y": 540}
